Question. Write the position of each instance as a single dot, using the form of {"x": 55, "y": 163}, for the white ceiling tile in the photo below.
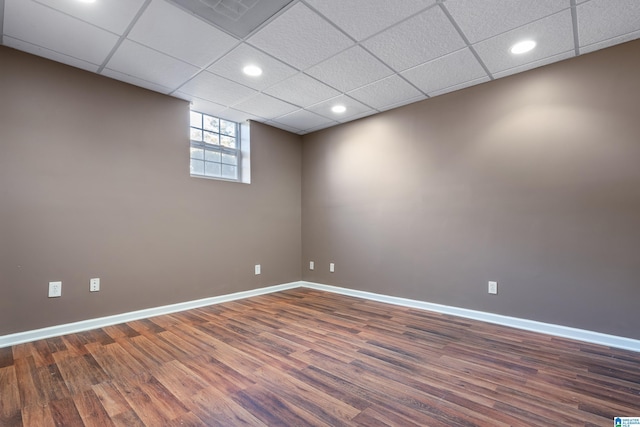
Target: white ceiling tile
{"x": 610, "y": 42}
{"x": 354, "y": 108}
{"x": 479, "y": 19}
{"x": 49, "y": 54}
{"x": 317, "y": 128}
{"x": 303, "y": 120}
{"x": 388, "y": 91}
{"x": 536, "y": 64}
{"x": 353, "y": 68}
{"x": 284, "y": 127}
{"x": 554, "y": 35}
{"x": 216, "y": 89}
{"x": 363, "y": 18}
{"x": 117, "y": 75}
{"x": 112, "y": 15}
{"x": 600, "y": 20}
{"x": 265, "y": 106}
{"x": 460, "y": 86}
{"x": 417, "y": 40}
{"x": 201, "y": 105}
{"x": 231, "y": 65}
{"x": 147, "y": 64}
{"x": 169, "y": 29}
{"x": 300, "y": 37}
{"x": 404, "y": 102}
{"x": 42, "y": 26}
{"x": 450, "y": 70}
{"x": 302, "y": 90}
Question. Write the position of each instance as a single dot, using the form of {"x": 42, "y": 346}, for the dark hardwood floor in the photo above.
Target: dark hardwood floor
{"x": 305, "y": 357}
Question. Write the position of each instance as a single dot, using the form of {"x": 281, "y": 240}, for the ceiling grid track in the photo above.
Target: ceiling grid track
{"x": 124, "y": 35}
{"x": 465, "y": 39}
{"x": 574, "y": 22}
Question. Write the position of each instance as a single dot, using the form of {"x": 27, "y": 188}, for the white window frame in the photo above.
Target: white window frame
{"x": 218, "y": 148}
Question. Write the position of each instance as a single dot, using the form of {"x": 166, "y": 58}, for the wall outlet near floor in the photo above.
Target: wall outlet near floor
{"x": 332, "y": 267}
{"x": 257, "y": 269}
{"x": 55, "y": 289}
{"x": 312, "y": 265}
{"x": 493, "y": 287}
{"x": 94, "y": 284}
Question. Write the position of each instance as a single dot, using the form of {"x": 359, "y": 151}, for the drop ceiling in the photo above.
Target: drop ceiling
{"x": 368, "y": 55}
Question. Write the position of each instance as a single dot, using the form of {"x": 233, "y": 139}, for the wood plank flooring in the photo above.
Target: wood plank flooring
{"x": 304, "y": 357}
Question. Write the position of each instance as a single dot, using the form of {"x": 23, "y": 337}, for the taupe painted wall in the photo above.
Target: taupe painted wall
{"x": 531, "y": 180}
{"x": 94, "y": 182}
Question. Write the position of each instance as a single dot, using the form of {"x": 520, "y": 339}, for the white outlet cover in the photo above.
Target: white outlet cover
{"x": 257, "y": 269}
{"x": 55, "y": 289}
{"x": 493, "y": 287}
{"x": 332, "y": 267}
{"x": 312, "y": 265}
{"x": 94, "y": 284}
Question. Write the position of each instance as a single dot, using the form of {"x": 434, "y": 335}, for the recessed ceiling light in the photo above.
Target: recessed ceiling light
{"x": 252, "y": 70}
{"x": 523, "y": 47}
{"x": 338, "y": 109}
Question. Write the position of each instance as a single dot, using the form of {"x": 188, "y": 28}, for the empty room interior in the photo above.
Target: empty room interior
{"x": 319, "y": 212}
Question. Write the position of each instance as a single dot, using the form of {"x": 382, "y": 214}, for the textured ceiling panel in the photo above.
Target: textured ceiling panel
{"x": 49, "y": 54}
{"x": 168, "y": 29}
{"x": 479, "y": 19}
{"x": 273, "y": 71}
{"x": 449, "y": 70}
{"x": 385, "y": 92}
{"x": 216, "y": 89}
{"x": 302, "y": 90}
{"x": 300, "y": 38}
{"x": 362, "y": 18}
{"x": 553, "y": 34}
{"x": 136, "y": 81}
{"x": 605, "y": 19}
{"x": 265, "y": 106}
{"x": 417, "y": 40}
{"x": 147, "y": 64}
{"x": 302, "y": 119}
{"x": 353, "y": 68}
{"x": 114, "y": 15}
{"x": 42, "y": 26}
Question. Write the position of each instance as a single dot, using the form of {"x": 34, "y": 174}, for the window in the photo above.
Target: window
{"x": 215, "y": 147}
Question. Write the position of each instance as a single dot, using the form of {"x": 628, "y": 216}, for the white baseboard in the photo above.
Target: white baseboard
{"x": 529, "y": 325}
{"x": 85, "y": 325}
{"x": 514, "y": 322}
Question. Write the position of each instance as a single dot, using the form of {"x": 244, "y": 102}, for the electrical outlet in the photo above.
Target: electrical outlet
{"x": 257, "y": 269}
{"x": 312, "y": 265}
{"x": 493, "y": 287}
{"x": 55, "y": 289}
{"x": 94, "y": 284}
{"x": 332, "y": 267}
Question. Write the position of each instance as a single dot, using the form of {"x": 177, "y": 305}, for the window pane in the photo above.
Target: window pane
{"x": 212, "y": 169}
{"x": 212, "y": 156}
{"x": 229, "y": 172}
{"x": 197, "y": 153}
{"x": 197, "y": 167}
{"x": 228, "y": 141}
{"x": 196, "y": 134}
{"x": 227, "y": 128}
{"x": 229, "y": 159}
{"x": 211, "y": 138}
{"x": 196, "y": 119}
{"x": 211, "y": 123}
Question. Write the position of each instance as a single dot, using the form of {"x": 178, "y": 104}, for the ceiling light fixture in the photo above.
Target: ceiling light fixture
{"x": 523, "y": 47}
{"x": 338, "y": 109}
{"x": 252, "y": 70}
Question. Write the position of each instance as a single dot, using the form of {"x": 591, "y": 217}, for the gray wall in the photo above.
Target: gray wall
{"x": 531, "y": 180}
{"x": 94, "y": 182}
